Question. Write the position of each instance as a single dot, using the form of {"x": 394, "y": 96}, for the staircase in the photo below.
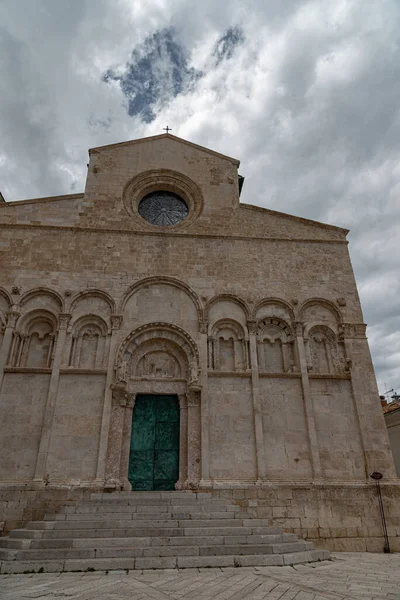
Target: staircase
{"x": 150, "y": 530}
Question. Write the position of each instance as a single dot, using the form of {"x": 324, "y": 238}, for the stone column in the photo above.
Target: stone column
{"x": 41, "y": 463}
{"x": 116, "y": 321}
{"x": 257, "y": 415}
{"x": 126, "y": 442}
{"x": 183, "y": 443}
{"x": 308, "y": 407}
{"x": 194, "y": 439}
{"x": 12, "y": 318}
{"x": 204, "y": 407}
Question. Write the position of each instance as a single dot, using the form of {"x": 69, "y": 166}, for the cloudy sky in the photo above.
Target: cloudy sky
{"x": 306, "y": 93}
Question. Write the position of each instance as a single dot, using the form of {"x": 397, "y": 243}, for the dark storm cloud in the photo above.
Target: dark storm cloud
{"x": 226, "y": 45}
{"x": 157, "y": 71}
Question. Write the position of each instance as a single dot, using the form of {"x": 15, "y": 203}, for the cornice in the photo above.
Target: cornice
{"x": 164, "y": 234}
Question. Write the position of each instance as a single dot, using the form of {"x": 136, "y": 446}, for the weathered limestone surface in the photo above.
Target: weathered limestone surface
{"x": 250, "y": 316}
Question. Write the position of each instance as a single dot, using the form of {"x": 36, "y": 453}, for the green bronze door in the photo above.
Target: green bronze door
{"x": 154, "y": 452}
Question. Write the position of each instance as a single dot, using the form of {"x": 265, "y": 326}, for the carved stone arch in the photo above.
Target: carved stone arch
{"x": 166, "y": 340}
{"x": 315, "y": 321}
{"x": 228, "y": 347}
{"x": 94, "y": 293}
{"x": 265, "y": 301}
{"x": 325, "y": 352}
{"x": 233, "y": 298}
{"x": 6, "y": 296}
{"x": 25, "y": 323}
{"x": 236, "y": 327}
{"x": 33, "y": 341}
{"x": 88, "y": 347}
{"x": 86, "y": 321}
{"x": 166, "y": 180}
{"x": 5, "y": 305}
{"x": 275, "y": 346}
{"x": 42, "y": 291}
{"x": 274, "y": 328}
{"x": 162, "y": 279}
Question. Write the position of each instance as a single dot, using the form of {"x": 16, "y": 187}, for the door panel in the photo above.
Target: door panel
{"x": 154, "y": 450}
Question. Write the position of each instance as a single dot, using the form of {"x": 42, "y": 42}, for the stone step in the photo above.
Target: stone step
{"x": 26, "y": 534}
{"x": 159, "y": 541}
{"x": 167, "y": 550}
{"x": 97, "y": 507}
{"x": 119, "y": 516}
{"x": 97, "y": 523}
{"x": 150, "y": 495}
{"x": 101, "y": 564}
{"x": 157, "y": 532}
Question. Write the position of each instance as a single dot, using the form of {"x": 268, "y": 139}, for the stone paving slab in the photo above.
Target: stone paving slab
{"x": 349, "y": 576}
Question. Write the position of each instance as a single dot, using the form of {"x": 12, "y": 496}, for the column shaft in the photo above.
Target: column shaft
{"x": 44, "y": 446}
{"x": 308, "y": 407}
{"x": 12, "y": 318}
{"x": 258, "y": 424}
{"x": 106, "y": 416}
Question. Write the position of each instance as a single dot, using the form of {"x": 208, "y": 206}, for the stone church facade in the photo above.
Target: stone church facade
{"x": 156, "y": 333}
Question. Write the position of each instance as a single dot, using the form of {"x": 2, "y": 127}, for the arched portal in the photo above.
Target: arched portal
{"x": 154, "y": 438}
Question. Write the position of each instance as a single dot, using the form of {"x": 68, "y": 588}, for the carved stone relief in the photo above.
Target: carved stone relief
{"x": 326, "y": 354}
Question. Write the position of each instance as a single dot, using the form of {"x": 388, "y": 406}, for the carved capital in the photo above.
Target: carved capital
{"x": 203, "y": 326}
{"x": 120, "y": 397}
{"x": 352, "y": 330}
{"x": 116, "y": 321}
{"x": 299, "y": 328}
{"x": 63, "y": 320}
{"x": 12, "y": 318}
{"x": 252, "y": 326}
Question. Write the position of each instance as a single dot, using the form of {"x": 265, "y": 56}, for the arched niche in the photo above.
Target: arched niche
{"x": 41, "y": 299}
{"x": 88, "y": 347}
{"x": 275, "y": 346}
{"x": 326, "y": 353}
{"x": 318, "y": 311}
{"x": 92, "y": 302}
{"x": 163, "y": 298}
{"x": 34, "y": 340}
{"x": 227, "y": 306}
{"x": 228, "y": 348}
{"x": 158, "y": 351}
{"x": 273, "y": 307}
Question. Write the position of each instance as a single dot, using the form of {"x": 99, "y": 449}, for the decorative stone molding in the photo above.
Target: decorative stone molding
{"x": 166, "y": 331}
{"x": 203, "y": 326}
{"x": 63, "y": 320}
{"x": 120, "y": 396}
{"x": 162, "y": 180}
{"x": 352, "y": 330}
{"x": 16, "y": 290}
{"x": 341, "y": 301}
{"x": 252, "y": 326}
{"x": 116, "y": 322}
{"x": 299, "y": 328}
{"x": 12, "y": 318}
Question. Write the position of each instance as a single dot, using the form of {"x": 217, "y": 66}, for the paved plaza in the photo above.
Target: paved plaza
{"x": 358, "y": 576}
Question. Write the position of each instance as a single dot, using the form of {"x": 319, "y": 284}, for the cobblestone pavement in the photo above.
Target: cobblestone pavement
{"x": 349, "y": 576}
